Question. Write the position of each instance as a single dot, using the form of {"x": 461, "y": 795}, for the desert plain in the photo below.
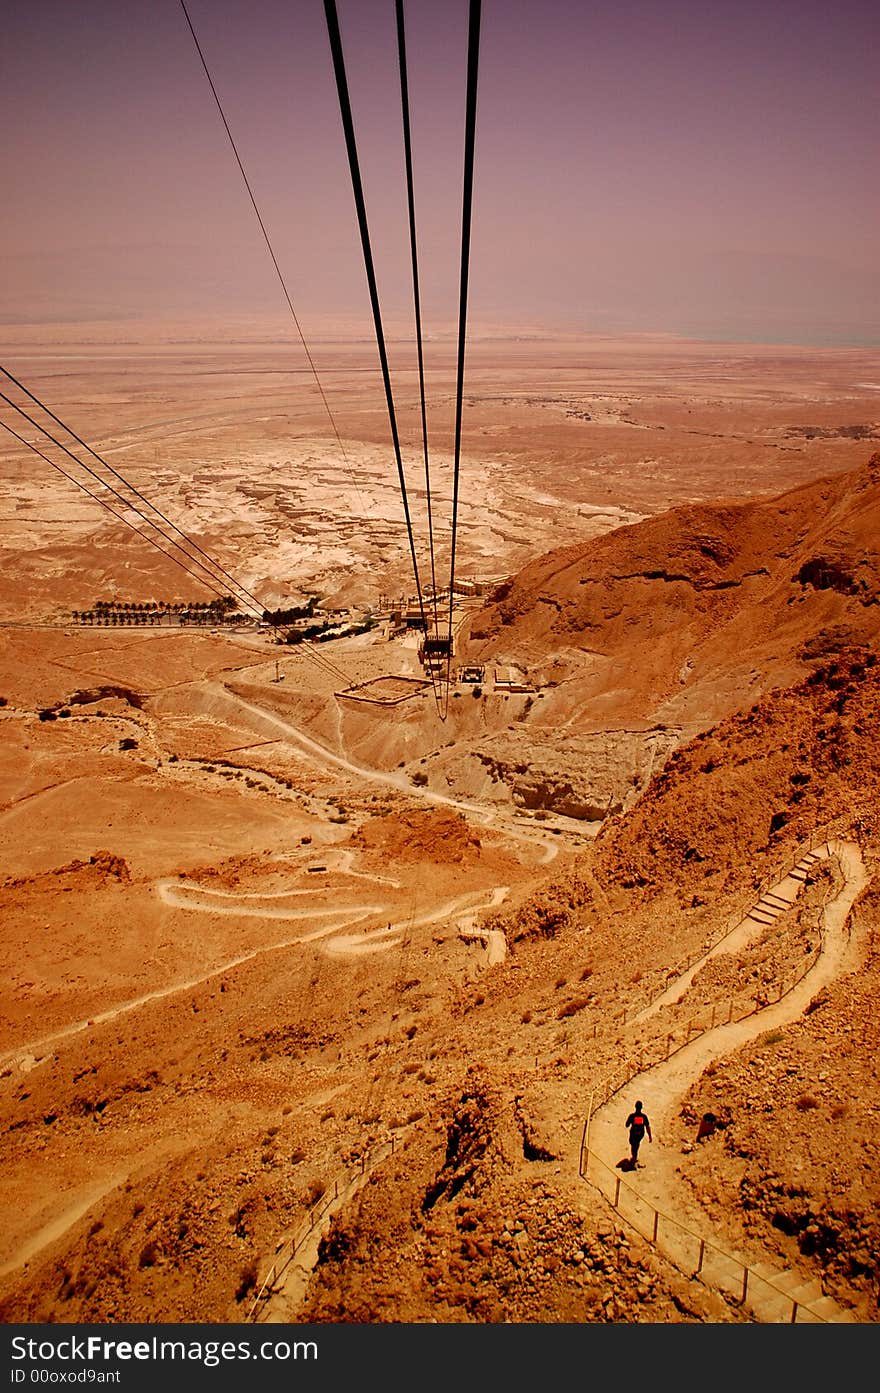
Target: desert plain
{"x": 325, "y": 995}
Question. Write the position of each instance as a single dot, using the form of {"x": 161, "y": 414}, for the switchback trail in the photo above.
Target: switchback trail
{"x": 663, "y": 1086}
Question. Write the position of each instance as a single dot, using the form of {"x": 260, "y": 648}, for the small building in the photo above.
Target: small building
{"x": 472, "y": 674}
{"x": 510, "y": 679}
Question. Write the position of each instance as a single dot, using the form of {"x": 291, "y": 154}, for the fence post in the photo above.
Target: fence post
{"x": 794, "y": 1311}
{"x": 656, "y": 1223}
{"x": 745, "y": 1285}
{"x": 702, "y": 1254}
{"x": 616, "y": 1191}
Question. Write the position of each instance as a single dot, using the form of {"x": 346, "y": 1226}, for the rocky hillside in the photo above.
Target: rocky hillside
{"x": 649, "y": 634}
{"x": 481, "y": 1225}
{"x": 685, "y": 614}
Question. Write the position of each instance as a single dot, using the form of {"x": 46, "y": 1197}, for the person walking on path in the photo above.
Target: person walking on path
{"x": 638, "y": 1125}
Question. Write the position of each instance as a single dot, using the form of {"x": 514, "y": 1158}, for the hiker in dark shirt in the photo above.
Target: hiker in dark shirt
{"x": 638, "y": 1125}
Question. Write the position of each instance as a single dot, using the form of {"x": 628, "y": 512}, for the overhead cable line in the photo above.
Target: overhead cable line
{"x": 104, "y": 504}
{"x": 357, "y": 188}
{"x": 243, "y": 597}
{"x": 407, "y": 146}
{"x": 466, "y": 209}
{"x": 278, "y": 272}
{"x": 115, "y": 472}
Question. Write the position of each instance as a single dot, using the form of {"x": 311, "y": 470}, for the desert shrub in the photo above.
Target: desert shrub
{"x": 560, "y": 982}
{"x": 128, "y": 743}
{"x": 572, "y": 1007}
{"x": 526, "y": 1017}
{"x": 247, "y": 1280}
{"x": 315, "y": 1192}
{"x": 47, "y": 715}
{"x": 420, "y": 778}
{"x": 806, "y": 1102}
{"x": 587, "y": 972}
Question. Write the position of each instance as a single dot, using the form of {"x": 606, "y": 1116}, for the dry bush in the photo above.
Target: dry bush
{"x": 247, "y": 1280}
{"x": 806, "y": 1102}
{"x": 572, "y": 1007}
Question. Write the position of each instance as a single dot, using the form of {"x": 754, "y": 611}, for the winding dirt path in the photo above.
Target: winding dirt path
{"x": 319, "y": 754}
{"x": 657, "y": 1186}
{"x": 27, "y": 1055}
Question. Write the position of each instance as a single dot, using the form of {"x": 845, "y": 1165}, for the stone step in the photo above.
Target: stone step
{"x": 761, "y": 916}
{"x": 829, "y": 1310}
{"x": 772, "y": 911}
{"x": 804, "y": 1290}
{"x": 794, "y": 1287}
{"x": 767, "y": 1293}
{"x": 770, "y": 897}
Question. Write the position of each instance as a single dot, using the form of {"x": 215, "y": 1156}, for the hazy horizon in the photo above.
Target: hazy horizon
{"x": 698, "y": 172}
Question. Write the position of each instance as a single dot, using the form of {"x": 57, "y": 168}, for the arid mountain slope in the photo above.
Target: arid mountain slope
{"x": 681, "y": 616}
{"x": 791, "y": 1173}
{"x": 641, "y": 638}
{"x": 235, "y": 966}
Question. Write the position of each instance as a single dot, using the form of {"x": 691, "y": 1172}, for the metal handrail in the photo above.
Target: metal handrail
{"x": 704, "y": 1245}
{"x": 608, "y": 1088}
{"x": 733, "y": 921}
{"x": 340, "y": 1183}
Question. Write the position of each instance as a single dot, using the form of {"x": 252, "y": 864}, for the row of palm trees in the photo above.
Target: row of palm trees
{"x": 150, "y": 612}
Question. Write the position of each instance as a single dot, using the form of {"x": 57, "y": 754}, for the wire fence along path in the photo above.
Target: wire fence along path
{"x": 753, "y": 906}
{"x": 771, "y": 1294}
{"x": 340, "y": 1189}
{"x": 783, "y": 1292}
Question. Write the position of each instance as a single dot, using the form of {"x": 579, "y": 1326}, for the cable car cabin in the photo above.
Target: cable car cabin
{"x": 435, "y": 650}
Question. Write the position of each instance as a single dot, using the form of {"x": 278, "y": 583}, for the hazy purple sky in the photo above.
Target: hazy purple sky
{"x": 701, "y": 168}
